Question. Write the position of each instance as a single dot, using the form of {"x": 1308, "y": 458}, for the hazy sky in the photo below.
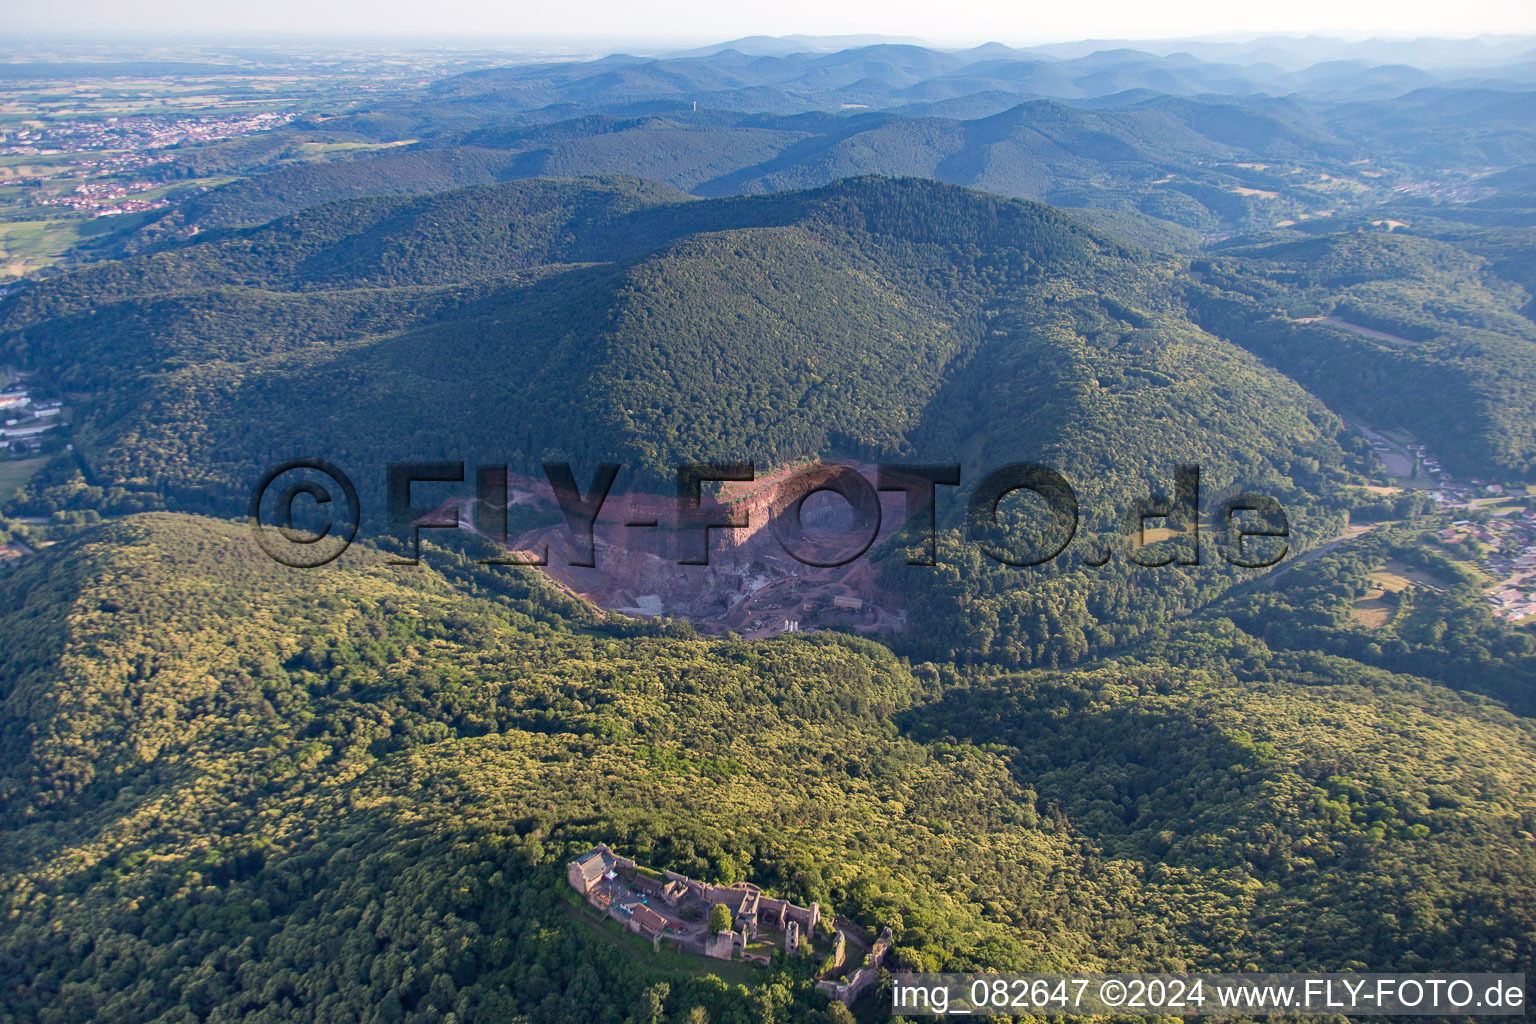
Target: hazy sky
{"x": 942, "y": 21}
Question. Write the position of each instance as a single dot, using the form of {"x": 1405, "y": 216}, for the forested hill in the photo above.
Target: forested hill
{"x": 1180, "y": 165}
{"x": 617, "y": 321}
{"x": 233, "y": 790}
{"x": 1187, "y": 168}
{"x": 878, "y": 319}
{"x": 1171, "y": 149}
{"x": 1394, "y": 328}
{"x": 216, "y": 769}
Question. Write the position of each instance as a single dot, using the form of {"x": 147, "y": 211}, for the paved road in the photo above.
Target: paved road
{"x": 1367, "y": 332}
{"x": 1269, "y": 579}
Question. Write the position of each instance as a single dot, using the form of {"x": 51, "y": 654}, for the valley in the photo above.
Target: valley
{"x": 453, "y": 774}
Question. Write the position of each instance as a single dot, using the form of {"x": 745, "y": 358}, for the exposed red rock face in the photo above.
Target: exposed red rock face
{"x": 751, "y": 585}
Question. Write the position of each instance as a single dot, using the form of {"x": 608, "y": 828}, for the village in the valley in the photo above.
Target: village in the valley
{"x": 32, "y": 429}
{"x": 668, "y": 907}
{"x": 1496, "y": 524}
{"x": 25, "y": 419}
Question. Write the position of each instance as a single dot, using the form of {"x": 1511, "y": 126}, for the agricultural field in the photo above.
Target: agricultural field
{"x": 1390, "y": 582}
{"x": 14, "y": 474}
{"x": 1396, "y": 574}
{"x": 1373, "y": 612}
{"x": 28, "y": 246}
{"x": 92, "y": 147}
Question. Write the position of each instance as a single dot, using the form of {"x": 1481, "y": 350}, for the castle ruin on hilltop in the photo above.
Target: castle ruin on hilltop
{"x": 671, "y": 906}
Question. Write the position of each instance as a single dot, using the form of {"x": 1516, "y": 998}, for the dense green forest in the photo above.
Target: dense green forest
{"x": 1451, "y": 355}
{"x": 233, "y": 790}
{"x": 601, "y": 320}
{"x": 617, "y": 321}
{"x": 1443, "y": 632}
{"x": 1175, "y": 149}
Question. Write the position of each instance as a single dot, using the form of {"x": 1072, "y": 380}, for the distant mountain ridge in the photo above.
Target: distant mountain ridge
{"x": 886, "y": 74}
{"x": 235, "y": 790}
{"x": 1174, "y": 148}
{"x": 1204, "y": 165}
